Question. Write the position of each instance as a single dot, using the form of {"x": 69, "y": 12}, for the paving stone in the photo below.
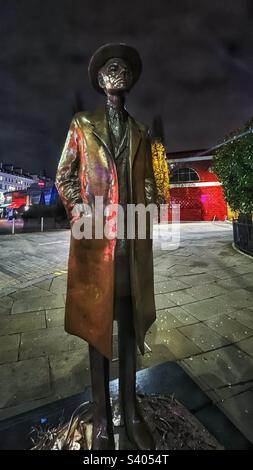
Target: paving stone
{"x": 181, "y": 252}
{"x": 199, "y": 270}
{"x": 64, "y": 275}
{"x": 11, "y": 411}
{"x": 160, "y": 353}
{"x": 70, "y": 371}
{"x": 42, "y": 303}
{"x": 9, "y": 345}
{"x": 223, "y": 273}
{"x": 244, "y": 268}
{"x": 234, "y": 283}
{"x": 241, "y": 258}
{"x": 228, "y": 262}
{"x": 58, "y": 285}
{"x": 228, "y": 391}
{"x": 221, "y": 368}
{"x": 181, "y": 315}
{"x": 162, "y": 271}
{"x": 205, "y": 309}
{"x": 169, "y": 286}
{"x": 161, "y": 301}
{"x": 175, "y": 341}
{"x": 239, "y": 298}
{"x": 248, "y": 278}
{"x": 29, "y": 293}
{"x": 48, "y": 341}
{"x": 44, "y": 284}
{"x": 229, "y": 328}
{"x": 198, "y": 279}
{"x": 165, "y": 319}
{"x": 159, "y": 277}
{"x": 205, "y": 338}
{"x": 178, "y": 271}
{"x": 247, "y": 346}
{"x": 162, "y": 257}
{"x": 5, "y": 291}
{"x": 159, "y": 331}
{"x": 55, "y": 317}
{"x": 6, "y": 303}
{"x": 239, "y": 409}
{"x": 23, "y": 322}
{"x": 205, "y": 291}
{"x": 24, "y": 381}
{"x": 180, "y": 297}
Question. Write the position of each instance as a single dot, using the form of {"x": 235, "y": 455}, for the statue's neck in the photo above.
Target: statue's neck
{"x": 115, "y": 106}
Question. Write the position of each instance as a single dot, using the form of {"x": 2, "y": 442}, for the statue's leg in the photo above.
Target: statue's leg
{"x": 102, "y": 414}
{"x": 136, "y": 428}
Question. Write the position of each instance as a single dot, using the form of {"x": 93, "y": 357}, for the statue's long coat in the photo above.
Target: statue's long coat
{"x": 87, "y": 169}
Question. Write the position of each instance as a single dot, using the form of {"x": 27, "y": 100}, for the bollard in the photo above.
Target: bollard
{"x": 41, "y": 224}
{"x": 13, "y": 226}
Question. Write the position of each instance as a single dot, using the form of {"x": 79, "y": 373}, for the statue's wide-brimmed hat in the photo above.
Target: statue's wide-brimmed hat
{"x": 110, "y": 51}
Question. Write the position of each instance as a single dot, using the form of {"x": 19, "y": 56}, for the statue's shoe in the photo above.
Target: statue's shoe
{"x": 139, "y": 433}
{"x": 101, "y": 438}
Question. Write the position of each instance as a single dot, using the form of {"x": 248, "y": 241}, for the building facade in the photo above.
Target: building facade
{"x": 42, "y": 192}
{"x": 13, "y": 179}
{"x": 195, "y": 187}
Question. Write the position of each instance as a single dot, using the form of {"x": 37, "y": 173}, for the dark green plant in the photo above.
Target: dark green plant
{"x": 233, "y": 164}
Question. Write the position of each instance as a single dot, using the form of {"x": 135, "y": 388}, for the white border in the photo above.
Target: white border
{"x": 194, "y": 185}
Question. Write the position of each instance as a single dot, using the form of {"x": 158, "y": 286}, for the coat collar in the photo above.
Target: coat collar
{"x": 98, "y": 122}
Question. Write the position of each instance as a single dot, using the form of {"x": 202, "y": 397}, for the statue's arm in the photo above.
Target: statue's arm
{"x": 150, "y": 187}
{"x": 67, "y": 176}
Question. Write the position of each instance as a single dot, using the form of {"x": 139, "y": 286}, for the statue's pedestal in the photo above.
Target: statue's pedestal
{"x": 172, "y": 425}
{"x": 190, "y": 419}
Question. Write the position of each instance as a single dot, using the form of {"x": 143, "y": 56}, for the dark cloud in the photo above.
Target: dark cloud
{"x": 197, "y": 57}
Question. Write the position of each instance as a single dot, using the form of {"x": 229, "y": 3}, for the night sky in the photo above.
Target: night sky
{"x": 197, "y": 69}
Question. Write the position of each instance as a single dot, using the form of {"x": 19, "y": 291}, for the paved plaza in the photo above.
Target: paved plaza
{"x": 204, "y": 293}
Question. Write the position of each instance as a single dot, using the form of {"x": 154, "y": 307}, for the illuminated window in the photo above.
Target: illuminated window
{"x": 180, "y": 175}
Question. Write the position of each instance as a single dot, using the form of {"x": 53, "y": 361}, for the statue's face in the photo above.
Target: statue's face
{"x": 115, "y": 76}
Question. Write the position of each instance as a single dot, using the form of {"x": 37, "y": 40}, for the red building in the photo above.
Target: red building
{"x": 196, "y": 187}
{"x": 16, "y": 202}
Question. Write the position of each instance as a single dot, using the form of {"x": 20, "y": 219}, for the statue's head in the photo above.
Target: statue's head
{"x": 115, "y": 76}
{"x": 114, "y": 68}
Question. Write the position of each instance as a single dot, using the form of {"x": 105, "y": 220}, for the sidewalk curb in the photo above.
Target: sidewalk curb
{"x": 241, "y": 252}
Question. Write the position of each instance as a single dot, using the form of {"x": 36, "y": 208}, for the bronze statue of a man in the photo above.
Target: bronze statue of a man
{"x": 108, "y": 154}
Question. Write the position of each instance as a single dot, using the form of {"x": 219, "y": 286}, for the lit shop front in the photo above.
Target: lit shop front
{"x": 195, "y": 187}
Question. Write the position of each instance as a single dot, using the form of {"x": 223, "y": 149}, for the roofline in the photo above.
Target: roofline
{"x": 188, "y": 152}
{"x": 191, "y": 158}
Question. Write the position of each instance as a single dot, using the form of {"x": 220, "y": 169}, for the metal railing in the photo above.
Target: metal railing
{"x": 243, "y": 236}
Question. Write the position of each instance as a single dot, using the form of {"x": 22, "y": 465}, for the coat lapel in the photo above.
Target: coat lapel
{"x": 100, "y": 130}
